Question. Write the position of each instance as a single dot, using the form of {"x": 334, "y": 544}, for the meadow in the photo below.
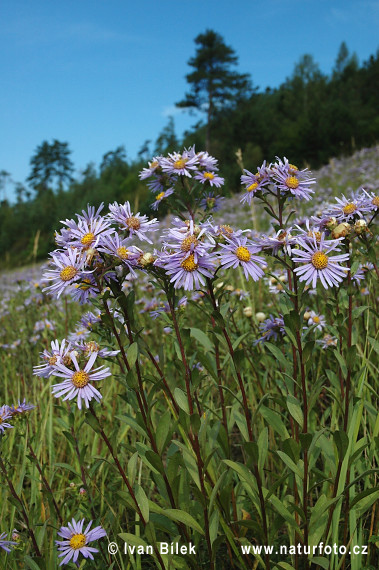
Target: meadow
{"x": 203, "y": 388}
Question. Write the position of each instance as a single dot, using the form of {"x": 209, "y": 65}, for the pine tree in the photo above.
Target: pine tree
{"x": 213, "y": 83}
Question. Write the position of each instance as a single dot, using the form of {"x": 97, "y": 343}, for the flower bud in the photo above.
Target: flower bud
{"x": 146, "y": 259}
{"x": 360, "y": 226}
{"x": 307, "y": 315}
{"x": 341, "y": 230}
{"x": 331, "y": 223}
{"x": 248, "y": 311}
{"x": 260, "y": 317}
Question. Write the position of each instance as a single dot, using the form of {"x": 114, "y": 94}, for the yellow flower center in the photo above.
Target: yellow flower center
{"x": 86, "y": 284}
{"x": 91, "y": 346}
{"x": 375, "y": 201}
{"x": 80, "y": 379}
{"x": 87, "y": 239}
{"x": 292, "y": 182}
{"x": 252, "y": 187}
{"x": 319, "y": 260}
{"x": 154, "y": 164}
{"x": 180, "y": 164}
{"x": 68, "y": 273}
{"x": 243, "y": 253}
{"x": 52, "y": 360}
{"x": 122, "y": 252}
{"x": 316, "y": 319}
{"x": 189, "y": 264}
{"x": 292, "y": 169}
{"x": 349, "y": 208}
{"x": 187, "y": 242}
{"x": 225, "y": 230}
{"x": 159, "y": 197}
{"x": 316, "y": 235}
{"x": 133, "y": 223}
{"x": 209, "y": 175}
{"x": 77, "y": 541}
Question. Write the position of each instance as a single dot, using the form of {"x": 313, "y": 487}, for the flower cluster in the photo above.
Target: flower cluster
{"x": 11, "y": 413}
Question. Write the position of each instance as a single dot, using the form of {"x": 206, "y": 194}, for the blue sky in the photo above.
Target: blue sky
{"x": 99, "y": 74}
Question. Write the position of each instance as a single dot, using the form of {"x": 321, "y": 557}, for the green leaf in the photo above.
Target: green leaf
{"x": 142, "y": 501}
{"x": 132, "y": 539}
{"x": 358, "y": 311}
{"x": 273, "y": 419}
{"x": 321, "y": 561}
{"x": 183, "y": 517}
{"x": 181, "y": 400}
{"x": 291, "y": 464}
{"x": 132, "y": 354}
{"x": 200, "y": 336}
{"x": 66, "y": 466}
{"x": 30, "y": 563}
{"x": 342, "y": 443}
{"x": 295, "y": 410}
{"x": 284, "y": 512}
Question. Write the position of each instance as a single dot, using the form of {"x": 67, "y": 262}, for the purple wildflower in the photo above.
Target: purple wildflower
{"x": 76, "y": 541}
{"x": 4, "y": 543}
{"x": 77, "y": 382}
{"x": 69, "y": 269}
{"x": 5, "y": 414}
{"x": 318, "y": 264}
{"x": 133, "y": 223}
{"x": 240, "y": 252}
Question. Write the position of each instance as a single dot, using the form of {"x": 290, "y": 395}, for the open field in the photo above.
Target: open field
{"x": 237, "y": 410}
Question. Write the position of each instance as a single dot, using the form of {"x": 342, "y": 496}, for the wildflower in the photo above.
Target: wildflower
{"x": 4, "y": 543}
{"x": 209, "y": 177}
{"x": 273, "y": 327}
{"x": 76, "y": 541}
{"x": 342, "y": 230}
{"x": 21, "y": 408}
{"x": 180, "y": 164}
{"x": 88, "y": 234}
{"x": 346, "y": 209}
{"x": 133, "y": 223}
{"x": 86, "y": 288}
{"x": 239, "y": 252}
{"x": 290, "y": 180}
{"x": 185, "y": 270}
{"x": 69, "y": 269}
{"x": 154, "y": 165}
{"x": 206, "y": 161}
{"x": 248, "y": 311}
{"x": 77, "y": 382}
{"x": 317, "y": 320}
{"x": 370, "y": 200}
{"x": 254, "y": 182}
{"x": 318, "y": 264}
{"x": 59, "y": 352}
{"x": 211, "y": 202}
{"x": 128, "y": 254}
{"x": 327, "y": 341}
{"x": 5, "y": 414}
{"x": 161, "y": 196}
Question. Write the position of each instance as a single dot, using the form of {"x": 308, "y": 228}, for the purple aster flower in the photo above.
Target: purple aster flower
{"x": 282, "y": 240}
{"x": 317, "y": 264}
{"x": 328, "y": 341}
{"x": 4, "y": 543}
{"x": 254, "y": 182}
{"x": 345, "y": 209}
{"x": 180, "y": 164}
{"x": 272, "y": 328}
{"x": 211, "y": 202}
{"x": 129, "y": 255}
{"x": 80, "y": 332}
{"x": 87, "y": 234}
{"x": 290, "y": 180}
{"x": 133, "y": 223}
{"x": 206, "y": 161}
{"x": 89, "y": 319}
{"x": 87, "y": 288}
{"x": 370, "y": 200}
{"x": 187, "y": 239}
{"x": 90, "y": 346}
{"x": 318, "y": 321}
{"x": 154, "y": 165}
{"x": 21, "y": 407}
{"x": 161, "y": 196}
{"x": 209, "y": 177}
{"x": 76, "y": 541}
{"x": 240, "y": 252}
{"x": 59, "y": 353}
{"x": 77, "y": 382}
{"x": 5, "y": 414}
{"x": 69, "y": 269}
{"x": 185, "y": 271}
